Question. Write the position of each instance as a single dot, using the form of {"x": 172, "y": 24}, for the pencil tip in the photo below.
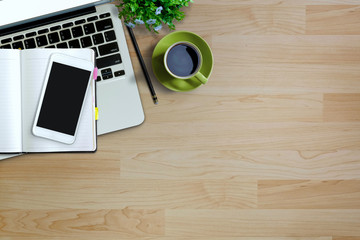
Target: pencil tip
{"x": 155, "y": 99}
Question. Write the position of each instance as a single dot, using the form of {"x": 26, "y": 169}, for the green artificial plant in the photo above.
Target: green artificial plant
{"x": 152, "y": 13}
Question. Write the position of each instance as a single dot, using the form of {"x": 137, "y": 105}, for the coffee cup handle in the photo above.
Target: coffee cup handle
{"x": 200, "y": 77}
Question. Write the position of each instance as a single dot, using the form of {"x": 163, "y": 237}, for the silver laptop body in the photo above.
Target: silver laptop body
{"x": 95, "y": 25}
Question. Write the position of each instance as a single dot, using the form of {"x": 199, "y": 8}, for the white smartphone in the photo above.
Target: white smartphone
{"x": 66, "y": 84}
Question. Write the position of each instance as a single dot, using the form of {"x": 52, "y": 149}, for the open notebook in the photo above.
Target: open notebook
{"x": 22, "y": 74}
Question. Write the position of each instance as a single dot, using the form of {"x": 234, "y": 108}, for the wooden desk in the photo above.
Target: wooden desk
{"x": 269, "y": 148}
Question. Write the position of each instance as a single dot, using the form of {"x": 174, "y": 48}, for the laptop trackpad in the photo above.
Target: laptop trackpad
{"x": 119, "y": 105}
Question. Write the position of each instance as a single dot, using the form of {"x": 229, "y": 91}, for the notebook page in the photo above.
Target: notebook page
{"x": 34, "y": 66}
{"x": 10, "y": 101}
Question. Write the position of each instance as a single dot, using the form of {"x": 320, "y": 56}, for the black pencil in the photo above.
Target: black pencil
{"x": 147, "y": 77}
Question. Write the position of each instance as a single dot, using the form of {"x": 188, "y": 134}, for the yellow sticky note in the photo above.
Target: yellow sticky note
{"x": 96, "y": 113}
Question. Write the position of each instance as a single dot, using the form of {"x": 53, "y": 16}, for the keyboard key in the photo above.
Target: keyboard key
{"x": 108, "y": 61}
{"x": 108, "y": 48}
{"x": 89, "y": 28}
{"x": 106, "y": 73}
{"x": 74, "y": 43}
{"x": 43, "y": 31}
{"x": 119, "y": 73}
{"x": 18, "y": 45}
{"x": 105, "y": 15}
{"x": 104, "y": 24}
{"x": 98, "y": 78}
{"x": 18, "y": 37}
{"x": 51, "y": 46}
{"x": 109, "y": 36}
{"x": 80, "y": 21}
{"x": 86, "y": 42}
{"x": 77, "y": 31}
{"x": 53, "y": 37}
{"x": 98, "y": 38}
{"x": 66, "y": 25}
{"x": 92, "y": 18}
{"x": 108, "y": 76}
{"x": 62, "y": 45}
{"x": 55, "y": 28}
{"x": 30, "y": 43}
{"x": 7, "y": 40}
{"x": 41, "y": 41}
{"x": 7, "y": 46}
{"x": 65, "y": 34}
{"x": 96, "y": 52}
{"x": 31, "y": 34}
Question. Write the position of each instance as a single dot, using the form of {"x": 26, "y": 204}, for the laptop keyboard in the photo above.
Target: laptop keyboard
{"x": 95, "y": 32}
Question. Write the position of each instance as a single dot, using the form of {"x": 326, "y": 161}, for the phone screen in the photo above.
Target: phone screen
{"x": 63, "y": 98}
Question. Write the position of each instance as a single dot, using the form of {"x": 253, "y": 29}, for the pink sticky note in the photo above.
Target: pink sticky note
{"x": 95, "y": 73}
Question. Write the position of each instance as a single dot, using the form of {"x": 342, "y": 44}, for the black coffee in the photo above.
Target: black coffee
{"x": 182, "y": 60}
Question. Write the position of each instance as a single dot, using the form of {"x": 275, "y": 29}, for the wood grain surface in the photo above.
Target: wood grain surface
{"x": 268, "y": 149}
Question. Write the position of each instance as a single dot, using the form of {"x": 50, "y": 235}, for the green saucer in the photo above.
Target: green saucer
{"x": 180, "y": 85}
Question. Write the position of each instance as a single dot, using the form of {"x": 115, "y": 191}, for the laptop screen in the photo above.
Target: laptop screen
{"x": 12, "y": 11}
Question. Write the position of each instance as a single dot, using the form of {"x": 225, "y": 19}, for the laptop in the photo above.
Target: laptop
{"x": 91, "y": 24}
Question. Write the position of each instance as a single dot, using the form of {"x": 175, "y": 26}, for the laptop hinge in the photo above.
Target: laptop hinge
{"x": 49, "y": 20}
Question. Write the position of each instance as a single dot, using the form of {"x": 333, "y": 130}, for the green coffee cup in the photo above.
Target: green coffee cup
{"x": 183, "y": 60}
{"x": 169, "y": 80}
